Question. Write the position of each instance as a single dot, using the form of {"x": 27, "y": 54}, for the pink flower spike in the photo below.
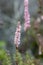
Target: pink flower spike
{"x": 26, "y": 16}
{"x": 17, "y": 35}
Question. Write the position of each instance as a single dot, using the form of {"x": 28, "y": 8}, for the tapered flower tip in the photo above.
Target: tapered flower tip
{"x": 18, "y": 25}
{"x": 18, "y": 22}
{"x": 26, "y": 1}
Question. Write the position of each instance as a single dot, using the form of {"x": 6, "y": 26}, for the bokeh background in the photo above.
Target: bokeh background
{"x": 10, "y": 12}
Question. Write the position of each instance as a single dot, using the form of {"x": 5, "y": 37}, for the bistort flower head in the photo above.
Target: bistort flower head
{"x": 26, "y": 16}
{"x": 17, "y": 34}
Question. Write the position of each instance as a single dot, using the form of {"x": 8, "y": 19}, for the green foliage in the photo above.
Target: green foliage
{"x": 18, "y": 58}
{"x": 28, "y": 59}
{"x": 2, "y": 44}
{"x": 21, "y": 60}
{"x": 5, "y": 58}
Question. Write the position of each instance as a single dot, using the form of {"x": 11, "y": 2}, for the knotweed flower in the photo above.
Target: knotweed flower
{"x": 17, "y": 35}
{"x": 26, "y": 15}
